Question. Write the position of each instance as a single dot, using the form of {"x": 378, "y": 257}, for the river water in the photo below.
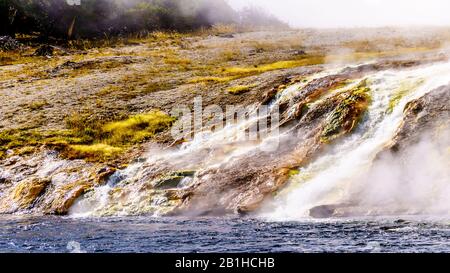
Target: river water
{"x": 162, "y": 235}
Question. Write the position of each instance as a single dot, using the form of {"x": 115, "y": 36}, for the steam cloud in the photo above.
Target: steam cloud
{"x": 415, "y": 182}
{"x": 354, "y": 13}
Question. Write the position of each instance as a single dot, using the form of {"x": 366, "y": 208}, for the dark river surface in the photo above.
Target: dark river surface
{"x": 150, "y": 235}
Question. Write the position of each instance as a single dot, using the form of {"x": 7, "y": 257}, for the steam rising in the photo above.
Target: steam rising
{"x": 351, "y": 181}
{"x": 416, "y": 182}
{"x": 355, "y": 13}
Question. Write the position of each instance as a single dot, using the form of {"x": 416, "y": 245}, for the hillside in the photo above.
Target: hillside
{"x": 80, "y": 112}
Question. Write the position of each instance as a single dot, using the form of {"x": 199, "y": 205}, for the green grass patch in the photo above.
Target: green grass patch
{"x": 26, "y": 141}
{"x": 258, "y": 69}
{"x": 88, "y": 137}
{"x": 211, "y": 79}
{"x": 224, "y": 75}
{"x": 93, "y": 152}
{"x": 137, "y": 128}
{"x": 240, "y": 89}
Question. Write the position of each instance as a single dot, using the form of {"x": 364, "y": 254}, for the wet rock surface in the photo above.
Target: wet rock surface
{"x": 228, "y": 188}
{"x": 217, "y": 178}
{"x": 424, "y": 115}
{"x": 426, "y": 123}
{"x": 186, "y": 184}
{"x": 45, "y": 184}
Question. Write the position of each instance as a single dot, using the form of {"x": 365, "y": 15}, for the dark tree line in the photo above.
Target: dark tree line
{"x": 93, "y": 18}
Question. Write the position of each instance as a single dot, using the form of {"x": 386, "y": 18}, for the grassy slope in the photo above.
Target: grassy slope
{"x": 99, "y": 101}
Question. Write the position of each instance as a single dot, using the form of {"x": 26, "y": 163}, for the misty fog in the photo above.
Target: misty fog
{"x": 354, "y": 13}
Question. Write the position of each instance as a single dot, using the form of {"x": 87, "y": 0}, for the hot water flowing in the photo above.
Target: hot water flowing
{"x": 345, "y": 176}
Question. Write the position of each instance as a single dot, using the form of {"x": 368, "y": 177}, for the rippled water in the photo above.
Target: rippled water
{"x": 145, "y": 234}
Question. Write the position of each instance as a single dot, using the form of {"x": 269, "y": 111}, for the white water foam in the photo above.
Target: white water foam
{"x": 331, "y": 178}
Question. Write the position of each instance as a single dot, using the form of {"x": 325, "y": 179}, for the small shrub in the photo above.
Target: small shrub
{"x": 37, "y": 105}
{"x": 240, "y": 89}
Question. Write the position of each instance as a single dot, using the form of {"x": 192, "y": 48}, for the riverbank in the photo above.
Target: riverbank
{"x": 85, "y": 122}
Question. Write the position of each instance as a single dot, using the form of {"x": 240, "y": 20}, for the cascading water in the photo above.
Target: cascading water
{"x": 207, "y": 149}
{"x": 328, "y": 179}
{"x": 332, "y": 178}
